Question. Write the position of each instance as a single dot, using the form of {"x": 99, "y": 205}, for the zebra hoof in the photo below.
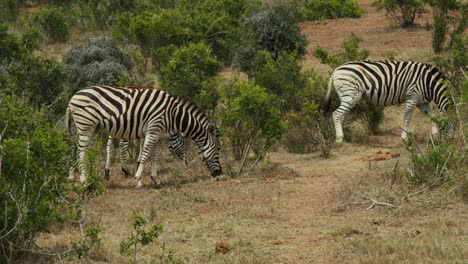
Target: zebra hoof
{"x": 107, "y": 174}
{"x": 156, "y": 182}
{"x": 126, "y": 172}
{"x": 139, "y": 185}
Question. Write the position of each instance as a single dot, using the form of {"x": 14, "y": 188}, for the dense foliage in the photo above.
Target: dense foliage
{"x": 100, "y": 62}
{"x": 330, "y": 9}
{"x": 188, "y": 72}
{"x": 54, "y": 23}
{"x": 33, "y": 156}
{"x": 251, "y": 118}
{"x": 274, "y": 29}
{"x": 402, "y": 12}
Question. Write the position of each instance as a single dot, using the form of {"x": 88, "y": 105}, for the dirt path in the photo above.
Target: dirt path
{"x": 310, "y": 203}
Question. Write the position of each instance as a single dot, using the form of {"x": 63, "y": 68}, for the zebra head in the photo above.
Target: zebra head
{"x": 210, "y": 152}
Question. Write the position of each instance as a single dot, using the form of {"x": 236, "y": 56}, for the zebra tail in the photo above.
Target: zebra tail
{"x": 68, "y": 121}
{"x": 328, "y": 99}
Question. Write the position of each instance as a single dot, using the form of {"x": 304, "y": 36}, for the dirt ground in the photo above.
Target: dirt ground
{"x": 299, "y": 208}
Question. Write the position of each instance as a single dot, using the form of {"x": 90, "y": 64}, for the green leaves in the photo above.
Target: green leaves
{"x": 351, "y": 52}
{"x": 188, "y": 71}
{"x": 251, "y": 116}
{"x": 330, "y": 9}
{"x": 139, "y": 237}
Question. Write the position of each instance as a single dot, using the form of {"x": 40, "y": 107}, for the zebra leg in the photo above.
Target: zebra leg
{"x": 424, "y": 107}
{"x": 347, "y": 103}
{"x": 150, "y": 141}
{"x": 409, "y": 107}
{"x": 156, "y": 154}
{"x": 84, "y": 143}
{"x": 108, "y": 158}
{"x": 124, "y": 160}
{"x": 142, "y": 141}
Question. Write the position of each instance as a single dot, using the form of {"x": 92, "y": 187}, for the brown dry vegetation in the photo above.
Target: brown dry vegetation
{"x": 297, "y": 208}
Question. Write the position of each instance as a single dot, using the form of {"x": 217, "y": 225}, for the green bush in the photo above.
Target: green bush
{"x": 281, "y": 76}
{"x": 9, "y": 9}
{"x": 251, "y": 120}
{"x": 308, "y": 129}
{"x": 40, "y": 80}
{"x": 188, "y": 70}
{"x": 34, "y": 157}
{"x": 139, "y": 237}
{"x": 273, "y": 28}
{"x": 11, "y": 46}
{"x": 100, "y": 62}
{"x": 443, "y": 20}
{"x": 350, "y": 52}
{"x": 402, "y": 12}
{"x": 216, "y": 23}
{"x": 331, "y": 9}
{"x": 54, "y": 24}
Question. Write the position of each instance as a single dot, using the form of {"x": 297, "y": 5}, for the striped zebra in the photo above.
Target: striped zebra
{"x": 136, "y": 113}
{"x": 176, "y": 144}
{"x": 387, "y": 83}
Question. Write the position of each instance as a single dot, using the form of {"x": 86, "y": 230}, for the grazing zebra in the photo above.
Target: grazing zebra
{"x": 387, "y": 83}
{"x": 176, "y": 145}
{"x": 136, "y": 113}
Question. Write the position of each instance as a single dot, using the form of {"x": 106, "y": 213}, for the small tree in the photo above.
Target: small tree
{"x": 34, "y": 158}
{"x": 443, "y": 21}
{"x": 139, "y": 237}
{"x": 54, "y": 23}
{"x": 99, "y": 62}
{"x": 282, "y": 77}
{"x": 402, "y": 12}
{"x": 189, "y": 70}
{"x": 273, "y": 28}
{"x": 251, "y": 119}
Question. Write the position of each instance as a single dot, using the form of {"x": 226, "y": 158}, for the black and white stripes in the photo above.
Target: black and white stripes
{"x": 141, "y": 113}
{"x": 387, "y": 83}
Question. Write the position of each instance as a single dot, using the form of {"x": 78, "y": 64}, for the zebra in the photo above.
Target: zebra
{"x": 136, "y": 113}
{"x": 176, "y": 143}
{"x": 387, "y": 83}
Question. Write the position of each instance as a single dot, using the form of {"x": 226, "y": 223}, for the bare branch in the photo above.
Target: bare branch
{"x": 18, "y": 220}
{"x": 375, "y": 202}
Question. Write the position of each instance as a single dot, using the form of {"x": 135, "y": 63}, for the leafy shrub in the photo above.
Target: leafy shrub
{"x": 443, "y": 20}
{"x": 155, "y": 30}
{"x": 34, "y": 158}
{"x": 40, "y": 80}
{"x": 308, "y": 129}
{"x": 11, "y": 46}
{"x": 139, "y": 237}
{"x": 350, "y": 52}
{"x": 214, "y": 22}
{"x": 54, "y": 23}
{"x": 331, "y": 9}
{"x": 189, "y": 69}
{"x": 251, "y": 119}
{"x": 9, "y": 9}
{"x": 274, "y": 29}
{"x": 282, "y": 77}
{"x": 402, "y": 12}
{"x": 371, "y": 114}
{"x": 99, "y": 62}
